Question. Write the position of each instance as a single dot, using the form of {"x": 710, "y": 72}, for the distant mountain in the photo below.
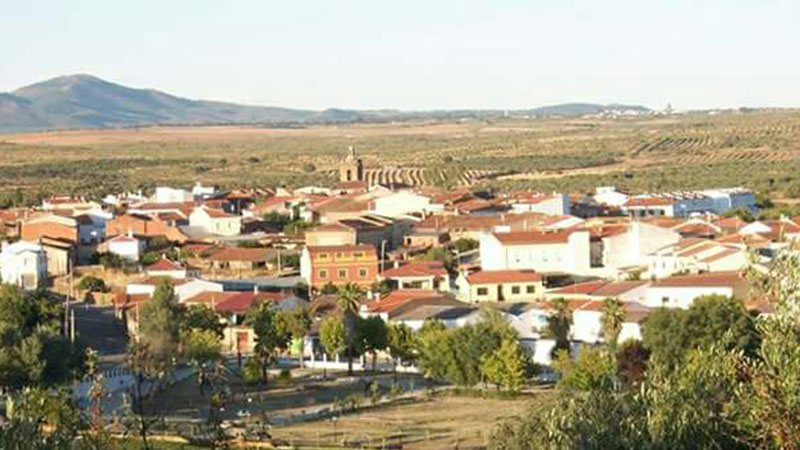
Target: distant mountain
{"x": 85, "y": 101}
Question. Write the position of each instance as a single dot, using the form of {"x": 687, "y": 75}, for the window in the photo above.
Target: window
{"x": 362, "y": 272}
{"x": 515, "y": 289}
{"x": 342, "y": 273}
{"x": 358, "y": 255}
{"x": 323, "y": 273}
{"x": 664, "y": 299}
{"x": 530, "y": 289}
{"x": 323, "y": 256}
{"x": 483, "y": 292}
{"x": 339, "y": 255}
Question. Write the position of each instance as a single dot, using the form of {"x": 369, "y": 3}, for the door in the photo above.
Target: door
{"x": 242, "y": 341}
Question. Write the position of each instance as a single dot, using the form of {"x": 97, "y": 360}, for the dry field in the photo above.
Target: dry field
{"x": 760, "y": 149}
{"x": 442, "y": 422}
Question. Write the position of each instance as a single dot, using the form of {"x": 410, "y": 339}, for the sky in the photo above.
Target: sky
{"x": 409, "y": 54}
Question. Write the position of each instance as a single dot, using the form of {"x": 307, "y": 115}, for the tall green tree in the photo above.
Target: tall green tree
{"x": 200, "y": 317}
{"x": 332, "y": 335}
{"x": 272, "y": 333}
{"x": 350, "y": 297}
{"x": 559, "y": 323}
{"x": 160, "y": 321}
{"x": 506, "y": 366}
{"x": 373, "y": 336}
{"x": 33, "y": 348}
{"x": 710, "y": 320}
{"x": 612, "y": 318}
{"x": 401, "y": 342}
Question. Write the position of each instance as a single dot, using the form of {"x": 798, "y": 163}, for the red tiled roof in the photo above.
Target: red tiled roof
{"x": 731, "y": 223}
{"x": 662, "y": 222}
{"x": 533, "y": 237}
{"x": 244, "y": 301}
{"x": 698, "y": 249}
{"x": 503, "y": 276}
{"x": 697, "y": 229}
{"x": 122, "y": 238}
{"x": 272, "y": 201}
{"x": 649, "y": 201}
{"x": 217, "y": 213}
{"x": 753, "y": 239}
{"x": 400, "y": 297}
{"x": 711, "y": 279}
{"x": 721, "y": 255}
{"x": 600, "y": 288}
{"x": 209, "y": 297}
{"x": 782, "y": 226}
{"x": 416, "y": 269}
{"x": 164, "y": 265}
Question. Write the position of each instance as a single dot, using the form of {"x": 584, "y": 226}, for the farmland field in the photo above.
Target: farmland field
{"x": 758, "y": 149}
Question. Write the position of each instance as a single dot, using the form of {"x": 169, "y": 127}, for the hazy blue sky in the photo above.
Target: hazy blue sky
{"x": 417, "y": 54}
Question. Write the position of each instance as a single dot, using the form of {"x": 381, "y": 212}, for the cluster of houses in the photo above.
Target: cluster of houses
{"x": 420, "y": 253}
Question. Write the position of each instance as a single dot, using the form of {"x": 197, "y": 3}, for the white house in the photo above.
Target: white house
{"x": 550, "y": 204}
{"x": 201, "y": 192}
{"x": 624, "y": 291}
{"x": 171, "y": 195}
{"x": 627, "y": 247}
{"x": 193, "y": 287}
{"x": 215, "y": 221}
{"x": 530, "y": 322}
{"x": 501, "y": 286}
{"x": 681, "y": 291}
{"x": 694, "y": 256}
{"x": 401, "y": 203}
{"x": 23, "y": 264}
{"x": 564, "y": 251}
{"x": 166, "y": 269}
{"x": 608, "y": 195}
{"x": 126, "y": 247}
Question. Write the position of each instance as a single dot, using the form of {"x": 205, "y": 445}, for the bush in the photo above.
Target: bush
{"x": 251, "y": 372}
{"x": 92, "y": 284}
{"x": 308, "y": 168}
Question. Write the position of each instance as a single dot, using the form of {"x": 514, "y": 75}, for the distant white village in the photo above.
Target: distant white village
{"x": 420, "y": 253}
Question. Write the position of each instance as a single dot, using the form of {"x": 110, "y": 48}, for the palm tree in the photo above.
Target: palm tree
{"x": 349, "y": 302}
{"x": 559, "y": 323}
{"x": 612, "y": 319}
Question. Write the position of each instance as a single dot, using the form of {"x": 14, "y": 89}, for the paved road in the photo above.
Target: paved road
{"x": 97, "y": 327}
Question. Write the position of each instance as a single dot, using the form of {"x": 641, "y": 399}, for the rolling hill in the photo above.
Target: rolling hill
{"x": 85, "y": 101}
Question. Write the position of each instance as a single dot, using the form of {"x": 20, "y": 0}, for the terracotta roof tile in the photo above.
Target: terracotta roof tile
{"x": 503, "y": 276}
{"x": 416, "y": 269}
{"x": 533, "y": 237}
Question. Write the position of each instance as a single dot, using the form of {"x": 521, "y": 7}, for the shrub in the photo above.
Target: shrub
{"x": 92, "y": 284}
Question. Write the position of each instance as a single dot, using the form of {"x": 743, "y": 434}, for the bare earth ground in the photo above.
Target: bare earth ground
{"x": 759, "y": 149}
{"x": 423, "y": 420}
{"x": 437, "y": 423}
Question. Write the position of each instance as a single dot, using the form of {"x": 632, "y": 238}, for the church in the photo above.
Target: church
{"x": 352, "y": 168}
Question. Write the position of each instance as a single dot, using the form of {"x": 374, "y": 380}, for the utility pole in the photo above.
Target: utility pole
{"x": 383, "y": 256}
{"x": 66, "y": 298}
